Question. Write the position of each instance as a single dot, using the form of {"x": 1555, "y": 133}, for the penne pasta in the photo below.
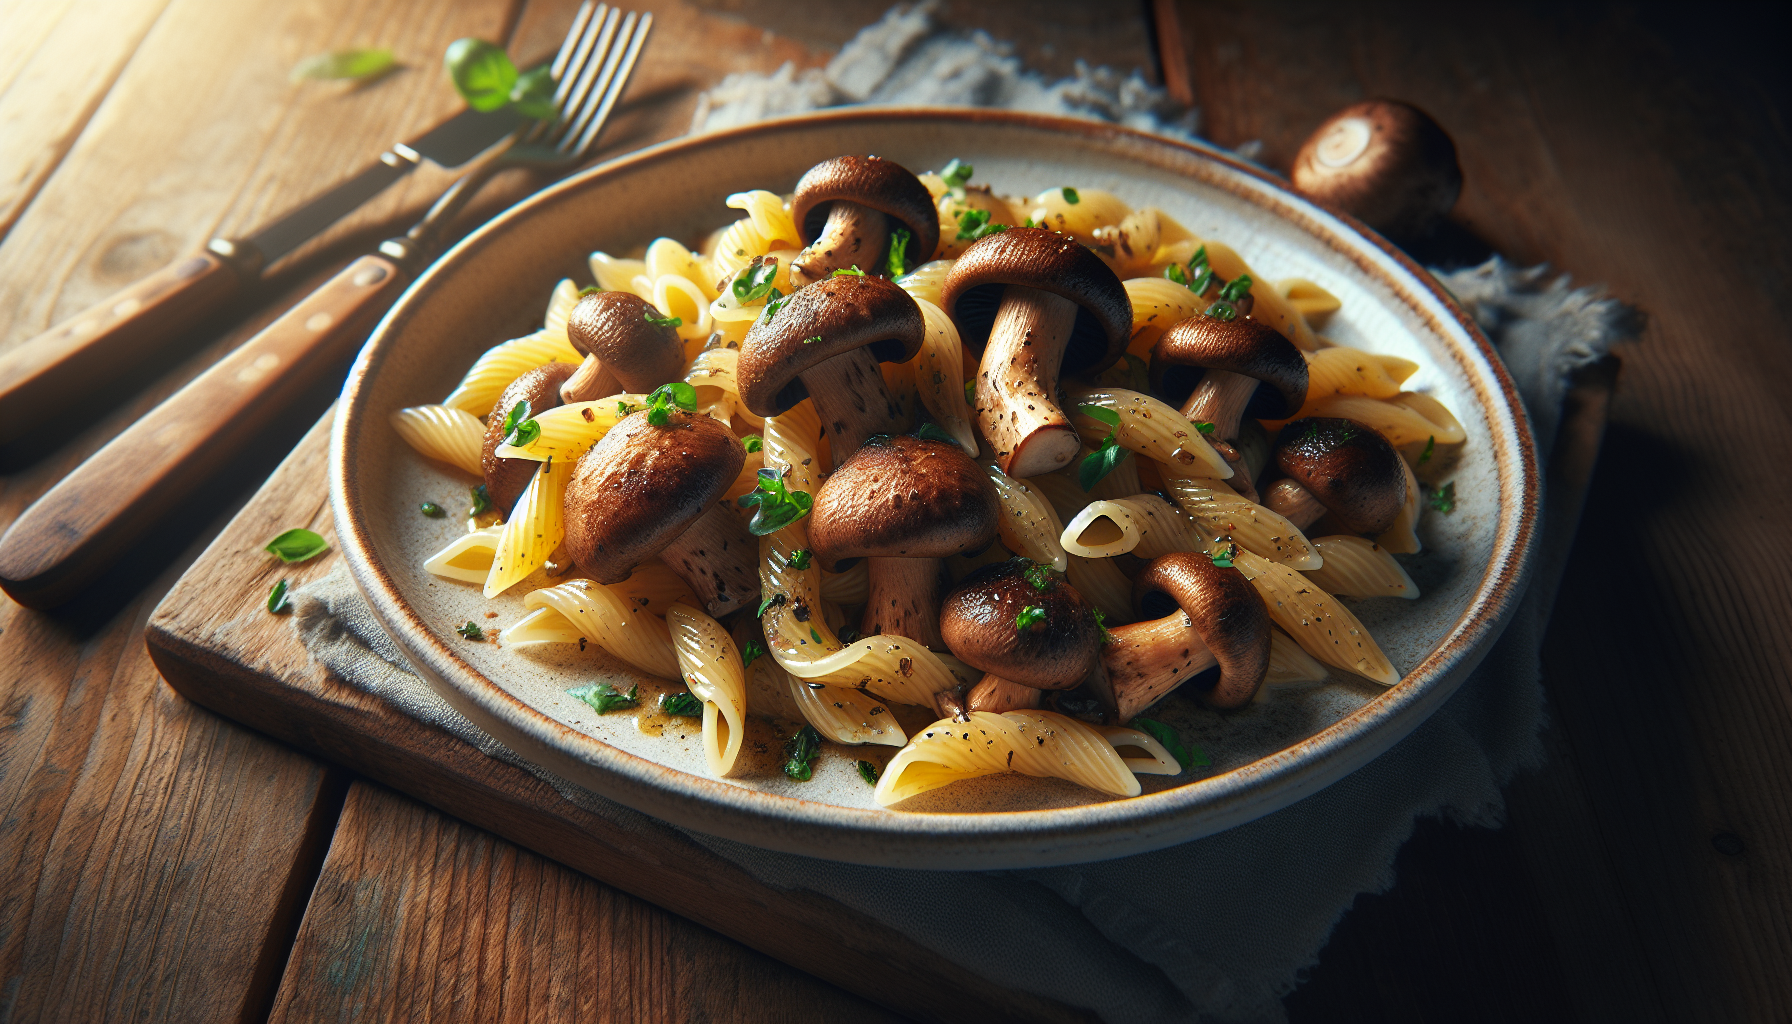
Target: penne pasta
{"x": 927, "y": 281}
{"x": 1355, "y": 567}
{"x": 468, "y": 558}
{"x": 1147, "y": 426}
{"x": 1221, "y": 512}
{"x": 1042, "y": 744}
{"x": 569, "y": 431}
{"x": 492, "y": 372}
{"x": 938, "y": 375}
{"x": 1028, "y": 525}
{"x": 595, "y": 614}
{"x": 1316, "y": 620}
{"x": 535, "y": 528}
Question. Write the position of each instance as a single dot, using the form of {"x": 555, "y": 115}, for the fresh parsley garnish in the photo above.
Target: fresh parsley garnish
{"x": 662, "y": 321}
{"x": 1175, "y": 273}
{"x": 974, "y": 224}
{"x": 800, "y": 752}
{"x": 771, "y": 599}
{"x": 1100, "y": 462}
{"x": 753, "y": 650}
{"x": 1198, "y": 275}
{"x": 1201, "y": 426}
{"x": 934, "y": 432}
{"x": 1070, "y": 196}
{"x": 956, "y": 175}
{"x": 486, "y": 79}
{"x": 1430, "y": 446}
{"x": 278, "y": 601}
{"x": 799, "y": 559}
{"x": 297, "y": 545}
{"x": 753, "y": 442}
{"x": 1040, "y": 576}
{"x": 813, "y": 635}
{"x": 811, "y": 341}
{"x": 605, "y": 698}
{"x": 431, "y": 509}
{"x": 852, "y": 271}
{"x": 868, "y": 772}
{"x": 896, "y": 263}
{"x": 589, "y": 289}
{"x": 519, "y": 428}
{"x": 1101, "y": 623}
{"x": 471, "y": 630}
{"x": 665, "y": 397}
{"x": 1029, "y": 617}
{"x": 684, "y": 705}
{"x": 755, "y": 282}
{"x": 1444, "y": 498}
{"x": 623, "y": 409}
{"x": 778, "y": 507}
{"x": 970, "y": 391}
{"x": 1223, "y": 553}
{"x": 343, "y": 64}
{"x": 1100, "y": 412}
{"x": 774, "y": 305}
{"x": 482, "y": 501}
{"x": 1226, "y": 306}
{"x": 1189, "y": 756}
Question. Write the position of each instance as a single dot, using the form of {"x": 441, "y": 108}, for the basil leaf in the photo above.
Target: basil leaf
{"x": 605, "y": 698}
{"x": 755, "y": 282}
{"x": 1101, "y": 462}
{"x": 344, "y": 64}
{"x": 896, "y": 264}
{"x": 1070, "y": 196}
{"x": 278, "y": 601}
{"x": 681, "y": 394}
{"x": 1202, "y": 426}
{"x": 431, "y": 509}
{"x": 1189, "y": 756}
{"x": 533, "y": 94}
{"x": 753, "y": 650}
{"x": 935, "y": 432}
{"x": 663, "y": 321}
{"x": 1029, "y": 617}
{"x": 297, "y": 546}
{"x": 1102, "y": 413}
{"x": 778, "y": 507}
{"x": 482, "y": 501}
{"x": 684, "y": 705}
{"x": 800, "y": 752}
{"x": 471, "y": 630}
{"x": 482, "y": 73}
{"x": 868, "y": 772}
{"x": 1444, "y": 498}
{"x": 799, "y": 559}
{"x": 525, "y": 434}
{"x": 518, "y": 413}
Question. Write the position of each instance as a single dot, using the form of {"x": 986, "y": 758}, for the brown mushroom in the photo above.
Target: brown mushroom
{"x": 1385, "y": 162}
{"x": 845, "y": 208}
{"x": 1339, "y": 466}
{"x": 824, "y": 342}
{"x": 1221, "y": 371}
{"x": 993, "y": 693}
{"x": 624, "y": 349}
{"x": 1023, "y": 622}
{"x": 1039, "y": 304}
{"x": 1214, "y": 616}
{"x": 506, "y": 478}
{"x": 907, "y": 504}
{"x": 644, "y": 491}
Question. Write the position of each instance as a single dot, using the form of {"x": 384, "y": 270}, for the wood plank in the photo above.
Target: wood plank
{"x": 420, "y": 916}
{"x": 1631, "y": 150}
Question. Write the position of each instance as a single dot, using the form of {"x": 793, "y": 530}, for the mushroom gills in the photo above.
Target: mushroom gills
{"x": 854, "y": 236}
{"x": 718, "y": 559}
{"x": 1017, "y": 384}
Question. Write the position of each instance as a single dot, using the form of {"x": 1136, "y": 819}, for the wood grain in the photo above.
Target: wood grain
{"x": 416, "y": 915}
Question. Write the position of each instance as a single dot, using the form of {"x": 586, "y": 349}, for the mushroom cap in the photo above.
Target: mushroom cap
{"x": 640, "y": 486}
{"x": 1353, "y": 471}
{"x": 1200, "y": 343}
{"x": 870, "y": 181}
{"x": 818, "y": 322}
{"x": 903, "y": 497}
{"x": 1224, "y": 608}
{"x": 540, "y": 387}
{"x": 977, "y": 621}
{"x": 1048, "y": 261}
{"x": 613, "y": 326}
{"x": 1385, "y": 162}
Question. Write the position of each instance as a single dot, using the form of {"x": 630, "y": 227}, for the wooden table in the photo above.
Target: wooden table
{"x": 158, "y": 862}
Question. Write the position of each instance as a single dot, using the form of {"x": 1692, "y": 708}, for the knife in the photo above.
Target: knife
{"x": 48, "y": 372}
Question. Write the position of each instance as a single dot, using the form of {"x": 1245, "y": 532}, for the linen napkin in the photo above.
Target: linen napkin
{"x": 1216, "y": 929}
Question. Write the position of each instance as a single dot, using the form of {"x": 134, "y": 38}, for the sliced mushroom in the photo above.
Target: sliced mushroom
{"x": 1338, "y": 466}
{"x": 624, "y": 349}
{"x": 845, "y": 208}
{"x": 1039, "y": 305}
{"x": 1214, "y": 617}
{"x": 907, "y": 504}
{"x": 824, "y": 342}
{"x": 1385, "y": 162}
{"x": 644, "y": 491}
{"x": 1023, "y": 622}
{"x": 506, "y": 478}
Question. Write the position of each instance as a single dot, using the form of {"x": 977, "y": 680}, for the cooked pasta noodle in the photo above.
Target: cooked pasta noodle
{"x": 926, "y": 281}
{"x": 492, "y": 372}
{"x": 850, "y": 587}
{"x": 1094, "y": 209}
{"x": 468, "y": 558}
{"x": 766, "y": 227}
{"x": 1042, "y": 744}
{"x": 443, "y": 433}
{"x": 535, "y": 528}
{"x": 560, "y": 304}
{"x": 1269, "y": 306}
{"x": 1028, "y": 524}
{"x": 845, "y": 715}
{"x": 1401, "y": 537}
{"x": 568, "y": 431}
{"x": 1315, "y": 304}
{"x": 1316, "y": 620}
{"x": 1289, "y": 665}
{"x": 1157, "y": 303}
{"x": 1355, "y": 567}
{"x": 618, "y": 275}
{"x": 712, "y": 669}
{"x": 600, "y": 615}
{"x": 1222, "y": 512}
{"x": 1403, "y": 419}
{"x": 1149, "y": 427}
{"x": 1351, "y": 371}
{"x": 938, "y": 373}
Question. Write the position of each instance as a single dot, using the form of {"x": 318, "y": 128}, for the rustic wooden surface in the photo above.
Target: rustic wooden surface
{"x": 155, "y": 855}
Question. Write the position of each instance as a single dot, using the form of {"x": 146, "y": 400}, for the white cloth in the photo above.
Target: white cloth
{"x": 1217, "y": 929}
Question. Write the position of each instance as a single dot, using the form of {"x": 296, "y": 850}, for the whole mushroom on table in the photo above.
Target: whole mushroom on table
{"x": 1385, "y": 162}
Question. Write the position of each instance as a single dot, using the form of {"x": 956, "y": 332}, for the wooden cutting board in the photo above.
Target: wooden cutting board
{"x": 215, "y": 642}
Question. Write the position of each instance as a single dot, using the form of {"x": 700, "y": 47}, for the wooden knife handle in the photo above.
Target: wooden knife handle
{"x": 73, "y": 533}
{"x": 45, "y": 375}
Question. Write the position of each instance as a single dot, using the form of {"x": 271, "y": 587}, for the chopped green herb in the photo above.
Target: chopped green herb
{"x": 1040, "y": 576}
{"x": 868, "y": 772}
{"x": 1189, "y": 756}
{"x": 1444, "y": 498}
{"x": 482, "y": 73}
{"x": 753, "y": 650}
{"x": 533, "y": 94}
{"x": 753, "y": 442}
{"x": 1223, "y": 311}
{"x": 1029, "y": 617}
{"x": 345, "y": 64}
{"x": 767, "y": 603}
{"x": 1236, "y": 289}
{"x": 1223, "y": 553}
{"x": 1031, "y": 223}
{"x": 935, "y": 432}
{"x": 431, "y": 509}
{"x": 957, "y": 174}
{"x": 1070, "y": 196}
{"x": 1202, "y": 426}
{"x": 852, "y": 271}
{"x": 667, "y": 395}
{"x": 896, "y": 263}
{"x": 471, "y": 631}
{"x": 1430, "y": 446}
{"x": 775, "y": 304}
{"x": 974, "y": 224}
{"x": 1102, "y": 413}
{"x": 811, "y": 341}
{"x": 278, "y": 601}
{"x": 605, "y": 698}
{"x": 482, "y": 501}
{"x": 800, "y": 752}
{"x": 1101, "y": 623}
{"x": 755, "y": 282}
{"x": 663, "y": 321}
{"x": 519, "y": 428}
{"x": 778, "y": 507}
{"x": 1101, "y": 462}
{"x": 589, "y": 289}
{"x": 1175, "y": 273}
{"x": 623, "y": 409}
{"x": 684, "y": 705}
{"x": 970, "y": 390}
{"x": 297, "y": 546}
{"x": 813, "y": 635}
{"x": 799, "y": 559}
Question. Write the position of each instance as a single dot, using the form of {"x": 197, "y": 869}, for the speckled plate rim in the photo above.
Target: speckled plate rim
{"x": 1004, "y": 839}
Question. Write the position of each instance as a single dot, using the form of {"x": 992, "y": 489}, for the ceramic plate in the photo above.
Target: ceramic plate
{"x": 495, "y": 285}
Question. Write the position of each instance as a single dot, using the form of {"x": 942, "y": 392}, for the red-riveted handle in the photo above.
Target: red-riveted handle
{"x": 74, "y": 532}
{"x": 46, "y": 375}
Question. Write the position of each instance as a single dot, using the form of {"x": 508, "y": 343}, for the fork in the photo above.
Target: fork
{"x": 70, "y": 535}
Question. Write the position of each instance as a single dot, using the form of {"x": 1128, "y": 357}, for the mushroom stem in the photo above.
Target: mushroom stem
{"x": 1241, "y": 479}
{"x": 905, "y": 599}
{"x": 718, "y": 559}
{"x": 1288, "y": 499}
{"x": 993, "y": 693}
{"x": 951, "y": 704}
{"x": 1149, "y": 659}
{"x": 1017, "y": 383}
{"x": 854, "y": 236}
{"x": 591, "y": 381}
{"x": 1220, "y": 399}
{"x": 851, "y": 401}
